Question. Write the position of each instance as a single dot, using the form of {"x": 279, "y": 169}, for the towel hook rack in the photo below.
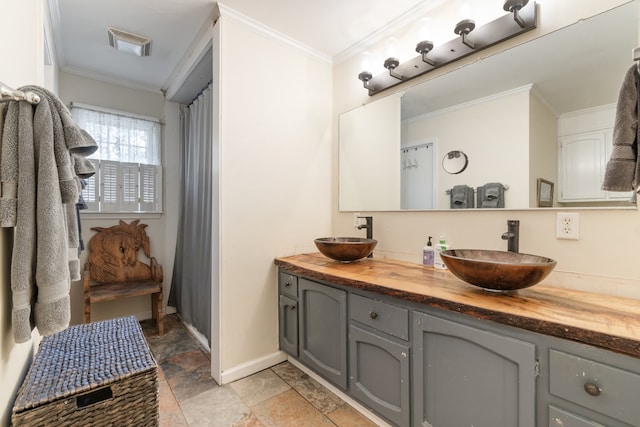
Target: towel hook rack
{"x": 9, "y": 94}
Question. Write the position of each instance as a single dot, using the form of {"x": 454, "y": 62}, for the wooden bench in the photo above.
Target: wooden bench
{"x": 113, "y": 271}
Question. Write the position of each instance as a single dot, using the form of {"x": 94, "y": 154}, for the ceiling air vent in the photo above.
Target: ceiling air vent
{"x": 128, "y": 42}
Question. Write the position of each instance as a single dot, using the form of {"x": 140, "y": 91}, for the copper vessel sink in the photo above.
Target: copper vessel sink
{"x": 497, "y": 270}
{"x": 345, "y": 249}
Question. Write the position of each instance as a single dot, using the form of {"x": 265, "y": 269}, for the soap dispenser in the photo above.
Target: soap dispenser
{"x": 428, "y": 254}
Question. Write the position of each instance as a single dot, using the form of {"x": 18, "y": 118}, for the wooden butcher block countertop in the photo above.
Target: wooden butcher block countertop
{"x": 604, "y": 321}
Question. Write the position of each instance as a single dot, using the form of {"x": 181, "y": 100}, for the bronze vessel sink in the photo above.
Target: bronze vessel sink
{"x": 497, "y": 270}
{"x": 345, "y": 249}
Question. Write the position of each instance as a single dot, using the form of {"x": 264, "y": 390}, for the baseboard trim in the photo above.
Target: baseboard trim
{"x": 251, "y": 367}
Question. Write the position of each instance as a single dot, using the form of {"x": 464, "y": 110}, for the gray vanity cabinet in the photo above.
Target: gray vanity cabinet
{"x": 322, "y": 330}
{"x": 288, "y": 325}
{"x": 379, "y": 358}
{"x": 590, "y": 387}
{"x": 288, "y": 313}
{"x": 464, "y": 375}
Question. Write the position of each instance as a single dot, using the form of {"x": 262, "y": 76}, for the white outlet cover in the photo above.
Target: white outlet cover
{"x": 568, "y": 225}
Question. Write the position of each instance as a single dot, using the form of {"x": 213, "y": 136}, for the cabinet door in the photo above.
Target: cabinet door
{"x": 288, "y": 325}
{"x": 468, "y": 376}
{"x": 323, "y": 330}
{"x": 582, "y": 166}
{"x": 379, "y": 374}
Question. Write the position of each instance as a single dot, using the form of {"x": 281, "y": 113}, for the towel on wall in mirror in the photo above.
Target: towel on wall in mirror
{"x": 461, "y": 197}
{"x": 623, "y": 168}
{"x": 40, "y": 189}
{"x": 491, "y": 195}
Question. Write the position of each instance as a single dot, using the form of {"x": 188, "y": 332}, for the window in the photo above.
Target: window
{"x": 128, "y": 163}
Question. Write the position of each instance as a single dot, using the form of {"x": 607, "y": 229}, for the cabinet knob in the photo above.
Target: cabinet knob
{"x": 293, "y": 307}
{"x": 592, "y": 389}
{"x": 287, "y": 284}
{"x": 373, "y": 314}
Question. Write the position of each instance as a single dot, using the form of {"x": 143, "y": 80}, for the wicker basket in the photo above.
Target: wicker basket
{"x": 96, "y": 374}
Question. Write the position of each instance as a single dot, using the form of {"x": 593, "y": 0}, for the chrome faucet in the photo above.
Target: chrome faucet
{"x": 512, "y": 236}
{"x": 369, "y": 226}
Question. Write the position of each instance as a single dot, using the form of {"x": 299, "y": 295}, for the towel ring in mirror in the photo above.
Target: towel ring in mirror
{"x": 455, "y": 162}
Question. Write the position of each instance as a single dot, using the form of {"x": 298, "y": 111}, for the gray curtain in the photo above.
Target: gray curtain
{"x": 191, "y": 281}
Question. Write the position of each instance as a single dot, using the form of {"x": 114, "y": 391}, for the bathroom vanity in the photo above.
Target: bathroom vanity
{"x": 419, "y": 347}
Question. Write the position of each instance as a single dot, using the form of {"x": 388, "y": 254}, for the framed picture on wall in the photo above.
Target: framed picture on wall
{"x": 545, "y": 193}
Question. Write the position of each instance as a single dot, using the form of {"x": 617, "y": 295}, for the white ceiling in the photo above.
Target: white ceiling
{"x": 328, "y": 27}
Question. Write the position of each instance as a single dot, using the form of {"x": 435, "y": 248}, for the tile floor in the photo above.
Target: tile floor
{"x": 281, "y": 396}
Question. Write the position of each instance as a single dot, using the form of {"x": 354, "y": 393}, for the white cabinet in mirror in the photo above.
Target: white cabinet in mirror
{"x": 505, "y": 112}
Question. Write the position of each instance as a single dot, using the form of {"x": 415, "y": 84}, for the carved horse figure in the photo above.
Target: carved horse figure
{"x": 114, "y": 253}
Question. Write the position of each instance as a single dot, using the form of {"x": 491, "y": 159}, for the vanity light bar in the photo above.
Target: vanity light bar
{"x": 472, "y": 39}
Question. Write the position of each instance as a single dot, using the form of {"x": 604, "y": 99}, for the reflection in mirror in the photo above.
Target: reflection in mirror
{"x": 535, "y": 111}
{"x": 455, "y": 162}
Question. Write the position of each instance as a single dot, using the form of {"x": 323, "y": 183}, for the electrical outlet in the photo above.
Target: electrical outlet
{"x": 356, "y": 219}
{"x": 568, "y": 225}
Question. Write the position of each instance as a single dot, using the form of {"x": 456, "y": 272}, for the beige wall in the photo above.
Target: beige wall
{"x": 470, "y": 127}
{"x": 21, "y": 65}
{"x": 161, "y": 228}
{"x": 602, "y": 260}
{"x": 275, "y": 187}
{"x": 543, "y": 146}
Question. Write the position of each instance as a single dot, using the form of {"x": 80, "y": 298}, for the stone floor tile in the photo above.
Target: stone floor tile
{"x": 174, "y": 341}
{"x": 289, "y": 409}
{"x": 321, "y": 398}
{"x": 170, "y": 412}
{"x": 218, "y": 407}
{"x": 259, "y": 387}
{"x": 188, "y": 374}
{"x": 290, "y": 373}
{"x": 346, "y": 416}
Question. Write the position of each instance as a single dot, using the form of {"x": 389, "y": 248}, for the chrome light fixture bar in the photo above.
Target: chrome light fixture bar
{"x": 523, "y": 17}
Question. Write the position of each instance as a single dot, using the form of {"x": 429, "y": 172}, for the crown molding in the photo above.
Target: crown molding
{"x": 525, "y": 88}
{"x": 384, "y": 32}
{"x": 226, "y": 11}
{"x": 107, "y": 79}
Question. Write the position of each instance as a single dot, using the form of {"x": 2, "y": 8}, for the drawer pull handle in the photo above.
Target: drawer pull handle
{"x": 592, "y": 389}
{"x": 286, "y": 285}
{"x": 373, "y": 314}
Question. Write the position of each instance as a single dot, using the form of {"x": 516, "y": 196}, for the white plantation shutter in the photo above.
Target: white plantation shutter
{"x": 150, "y": 188}
{"x": 91, "y": 193}
{"x": 111, "y": 186}
{"x": 129, "y": 187}
{"x": 128, "y": 160}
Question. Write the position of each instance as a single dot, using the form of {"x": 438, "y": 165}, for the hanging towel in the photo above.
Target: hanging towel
{"x": 41, "y": 151}
{"x": 623, "y": 168}
{"x": 461, "y": 197}
{"x": 491, "y": 195}
{"x": 9, "y": 166}
{"x": 23, "y": 258}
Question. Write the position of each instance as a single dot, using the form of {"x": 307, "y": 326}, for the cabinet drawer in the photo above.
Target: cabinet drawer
{"x": 288, "y": 284}
{"x": 594, "y": 385}
{"x": 380, "y": 315}
{"x": 561, "y": 418}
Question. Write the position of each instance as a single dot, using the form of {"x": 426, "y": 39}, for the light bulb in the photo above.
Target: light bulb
{"x": 391, "y": 48}
{"x": 365, "y": 61}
